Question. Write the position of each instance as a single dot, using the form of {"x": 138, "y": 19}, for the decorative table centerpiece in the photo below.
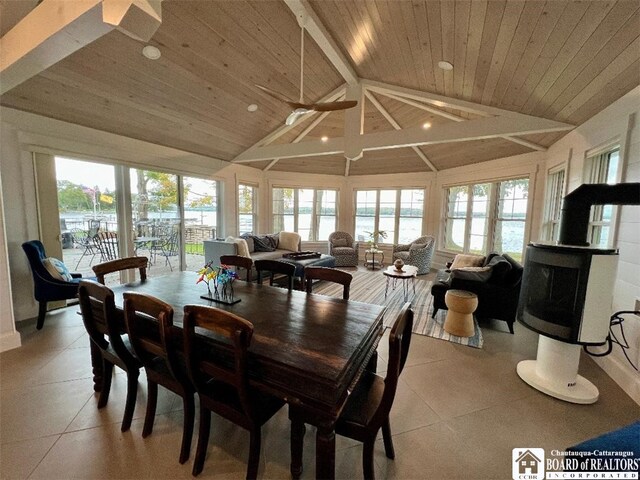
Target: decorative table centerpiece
{"x": 221, "y": 279}
{"x": 374, "y": 238}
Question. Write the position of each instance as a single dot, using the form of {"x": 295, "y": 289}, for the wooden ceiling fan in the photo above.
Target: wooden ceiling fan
{"x": 300, "y": 108}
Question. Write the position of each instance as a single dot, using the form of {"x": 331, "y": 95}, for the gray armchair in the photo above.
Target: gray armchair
{"x": 418, "y": 253}
{"x": 344, "y": 249}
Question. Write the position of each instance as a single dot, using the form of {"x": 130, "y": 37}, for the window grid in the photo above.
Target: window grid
{"x": 312, "y": 213}
{"x": 479, "y": 218}
{"x": 553, "y": 204}
{"x": 603, "y": 168}
{"x": 247, "y": 218}
{"x": 398, "y": 212}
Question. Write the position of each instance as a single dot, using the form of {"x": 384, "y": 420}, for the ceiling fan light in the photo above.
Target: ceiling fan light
{"x": 444, "y": 65}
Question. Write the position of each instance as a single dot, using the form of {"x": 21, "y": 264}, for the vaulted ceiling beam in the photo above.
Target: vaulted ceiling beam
{"x": 302, "y": 134}
{"x": 280, "y": 131}
{"x": 57, "y": 28}
{"x": 477, "y": 129}
{"x": 436, "y": 100}
{"x": 374, "y": 101}
{"x": 307, "y": 17}
{"x": 457, "y": 118}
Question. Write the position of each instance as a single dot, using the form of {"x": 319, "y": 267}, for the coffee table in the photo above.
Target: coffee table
{"x": 321, "y": 261}
{"x": 407, "y": 273}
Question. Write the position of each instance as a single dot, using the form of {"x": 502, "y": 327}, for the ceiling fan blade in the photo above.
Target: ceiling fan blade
{"x": 297, "y": 113}
{"x": 332, "y": 106}
{"x": 276, "y": 95}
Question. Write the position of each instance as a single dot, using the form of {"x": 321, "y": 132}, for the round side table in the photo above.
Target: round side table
{"x": 461, "y": 305}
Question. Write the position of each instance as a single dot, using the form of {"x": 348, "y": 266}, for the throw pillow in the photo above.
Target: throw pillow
{"x": 288, "y": 241}
{"x": 243, "y": 248}
{"x": 463, "y": 260}
{"x": 273, "y": 239}
{"x": 263, "y": 244}
{"x": 474, "y": 269}
{"x": 57, "y": 269}
{"x": 500, "y": 268}
{"x": 417, "y": 246}
{"x": 340, "y": 242}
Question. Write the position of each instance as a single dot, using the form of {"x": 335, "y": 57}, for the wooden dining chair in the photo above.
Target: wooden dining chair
{"x": 329, "y": 275}
{"x": 101, "y": 321}
{"x": 149, "y": 323}
{"x": 238, "y": 261}
{"x": 221, "y": 380}
{"x": 275, "y": 267}
{"x": 120, "y": 264}
{"x": 368, "y": 407}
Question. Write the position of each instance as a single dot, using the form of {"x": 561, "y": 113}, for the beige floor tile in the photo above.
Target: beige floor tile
{"x": 19, "y": 459}
{"x": 32, "y": 412}
{"x": 90, "y": 416}
{"x": 71, "y": 364}
{"x": 459, "y": 386}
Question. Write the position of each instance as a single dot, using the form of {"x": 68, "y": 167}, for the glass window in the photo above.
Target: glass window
{"x": 483, "y": 217}
{"x": 200, "y": 218}
{"x": 87, "y": 204}
{"x": 410, "y": 215}
{"x": 247, "y": 197}
{"x": 511, "y": 217}
{"x": 456, "y": 218}
{"x": 311, "y": 213}
{"x": 397, "y": 212}
{"x": 602, "y": 168}
{"x": 156, "y": 219}
{"x": 326, "y": 213}
{"x": 553, "y": 205}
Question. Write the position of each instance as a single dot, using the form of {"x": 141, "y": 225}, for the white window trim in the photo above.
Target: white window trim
{"x": 547, "y": 233}
{"x": 491, "y": 215}
{"x": 254, "y": 204}
{"x": 314, "y": 213}
{"x": 376, "y": 216}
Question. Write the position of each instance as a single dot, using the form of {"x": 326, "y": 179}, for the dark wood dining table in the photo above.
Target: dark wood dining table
{"x": 306, "y": 349}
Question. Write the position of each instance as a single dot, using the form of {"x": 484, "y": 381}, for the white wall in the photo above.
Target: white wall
{"x": 619, "y": 120}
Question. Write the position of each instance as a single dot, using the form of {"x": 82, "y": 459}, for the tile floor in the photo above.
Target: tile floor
{"x": 458, "y": 413}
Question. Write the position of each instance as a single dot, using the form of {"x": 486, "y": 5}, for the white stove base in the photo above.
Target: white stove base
{"x": 555, "y": 372}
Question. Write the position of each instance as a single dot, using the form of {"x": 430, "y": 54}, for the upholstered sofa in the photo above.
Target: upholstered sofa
{"x": 418, "y": 253}
{"x": 249, "y": 246}
{"x": 496, "y": 281}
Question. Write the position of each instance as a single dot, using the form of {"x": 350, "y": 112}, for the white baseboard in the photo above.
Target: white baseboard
{"x": 627, "y": 378}
{"x": 9, "y": 341}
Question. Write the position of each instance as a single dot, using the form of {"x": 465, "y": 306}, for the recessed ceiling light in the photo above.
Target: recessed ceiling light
{"x": 445, "y": 65}
{"x": 253, "y": 107}
{"x": 426, "y": 125}
{"x": 151, "y": 52}
{"x": 324, "y": 139}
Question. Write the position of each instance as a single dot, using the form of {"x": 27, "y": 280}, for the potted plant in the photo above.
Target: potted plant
{"x": 374, "y": 238}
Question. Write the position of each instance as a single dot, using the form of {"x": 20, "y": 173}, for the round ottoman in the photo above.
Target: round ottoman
{"x": 461, "y": 305}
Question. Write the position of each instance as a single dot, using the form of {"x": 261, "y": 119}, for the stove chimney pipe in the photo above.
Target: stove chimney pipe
{"x": 576, "y": 206}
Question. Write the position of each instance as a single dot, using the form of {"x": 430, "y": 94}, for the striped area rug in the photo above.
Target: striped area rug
{"x": 368, "y": 287}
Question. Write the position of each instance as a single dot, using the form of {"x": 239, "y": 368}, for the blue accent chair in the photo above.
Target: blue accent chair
{"x": 45, "y": 287}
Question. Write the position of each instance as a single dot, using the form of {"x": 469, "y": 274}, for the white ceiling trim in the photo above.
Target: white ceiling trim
{"x": 374, "y": 101}
{"x": 312, "y": 24}
{"x": 55, "y": 29}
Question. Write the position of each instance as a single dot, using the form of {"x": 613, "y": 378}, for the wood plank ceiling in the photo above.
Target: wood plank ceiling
{"x": 561, "y": 60}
